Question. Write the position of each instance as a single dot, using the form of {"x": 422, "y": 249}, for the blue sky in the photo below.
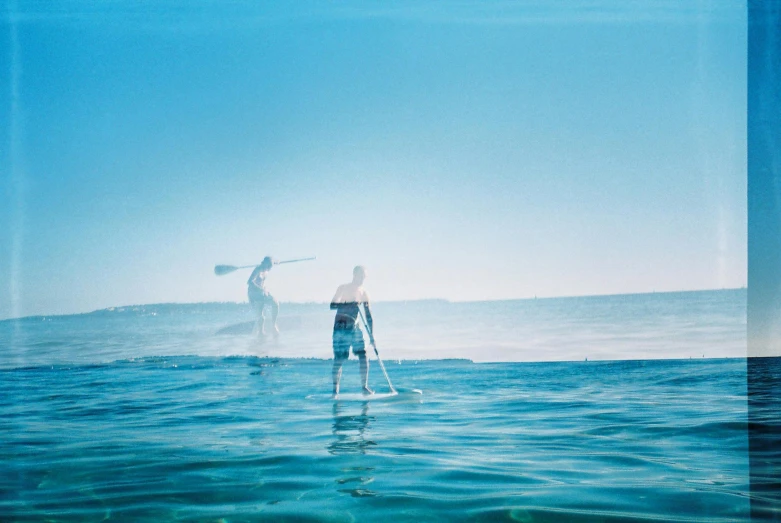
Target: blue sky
{"x": 469, "y": 152}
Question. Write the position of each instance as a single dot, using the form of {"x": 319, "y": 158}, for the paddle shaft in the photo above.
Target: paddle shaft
{"x": 374, "y": 345}
{"x": 297, "y": 260}
{"x": 220, "y": 270}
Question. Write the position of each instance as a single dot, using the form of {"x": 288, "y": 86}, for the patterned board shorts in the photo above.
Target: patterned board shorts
{"x": 346, "y": 338}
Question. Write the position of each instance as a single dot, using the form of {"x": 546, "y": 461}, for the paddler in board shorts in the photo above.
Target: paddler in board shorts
{"x": 259, "y": 296}
{"x": 347, "y": 332}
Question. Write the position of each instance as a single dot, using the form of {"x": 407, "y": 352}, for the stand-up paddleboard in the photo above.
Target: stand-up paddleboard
{"x": 358, "y": 396}
{"x": 285, "y": 323}
{"x": 410, "y": 392}
{"x": 397, "y": 395}
{"x": 243, "y": 328}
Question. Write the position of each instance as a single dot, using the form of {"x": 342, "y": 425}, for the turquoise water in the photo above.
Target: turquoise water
{"x": 170, "y": 413}
{"x": 247, "y": 438}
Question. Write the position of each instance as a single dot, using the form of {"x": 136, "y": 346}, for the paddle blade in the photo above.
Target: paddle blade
{"x": 219, "y": 270}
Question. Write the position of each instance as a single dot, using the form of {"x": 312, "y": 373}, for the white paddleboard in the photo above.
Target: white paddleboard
{"x": 377, "y": 396}
{"x": 357, "y": 396}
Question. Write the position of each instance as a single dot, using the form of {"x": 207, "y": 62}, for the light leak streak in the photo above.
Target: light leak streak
{"x": 18, "y": 181}
{"x": 714, "y": 181}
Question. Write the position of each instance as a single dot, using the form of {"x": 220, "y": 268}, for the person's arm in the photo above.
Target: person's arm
{"x": 251, "y": 279}
{"x": 337, "y": 299}
{"x": 369, "y": 319}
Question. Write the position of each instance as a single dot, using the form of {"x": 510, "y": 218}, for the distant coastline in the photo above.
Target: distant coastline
{"x": 157, "y": 308}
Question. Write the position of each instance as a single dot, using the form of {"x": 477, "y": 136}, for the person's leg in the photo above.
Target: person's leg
{"x": 364, "y": 363}
{"x": 341, "y": 353}
{"x": 257, "y": 308}
{"x": 274, "y": 313}
{"x": 359, "y": 349}
{"x": 261, "y": 319}
{"x": 336, "y": 373}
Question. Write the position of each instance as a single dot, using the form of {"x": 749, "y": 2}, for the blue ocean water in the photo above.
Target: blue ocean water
{"x": 175, "y": 413}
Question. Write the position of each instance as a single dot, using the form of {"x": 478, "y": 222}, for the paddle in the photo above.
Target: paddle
{"x": 371, "y": 337}
{"x": 221, "y": 270}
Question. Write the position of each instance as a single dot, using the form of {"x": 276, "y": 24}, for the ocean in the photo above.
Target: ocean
{"x": 615, "y": 408}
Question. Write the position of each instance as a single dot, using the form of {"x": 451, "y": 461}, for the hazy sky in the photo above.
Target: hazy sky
{"x": 466, "y": 150}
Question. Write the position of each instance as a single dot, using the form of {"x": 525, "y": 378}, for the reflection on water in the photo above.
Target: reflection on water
{"x": 263, "y": 364}
{"x": 350, "y": 430}
{"x": 350, "y": 439}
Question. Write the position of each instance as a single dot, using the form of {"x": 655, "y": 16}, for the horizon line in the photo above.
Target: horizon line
{"x": 446, "y": 300}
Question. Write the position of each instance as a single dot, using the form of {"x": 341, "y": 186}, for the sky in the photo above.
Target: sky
{"x": 464, "y": 151}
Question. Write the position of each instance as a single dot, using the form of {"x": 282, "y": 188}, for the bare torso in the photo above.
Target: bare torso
{"x": 346, "y": 301}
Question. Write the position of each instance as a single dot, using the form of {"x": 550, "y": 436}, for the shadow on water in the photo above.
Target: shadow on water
{"x": 263, "y": 364}
{"x": 246, "y": 328}
{"x": 350, "y": 432}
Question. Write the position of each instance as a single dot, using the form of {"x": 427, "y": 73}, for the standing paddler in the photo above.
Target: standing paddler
{"x": 259, "y": 296}
{"x": 347, "y": 332}
{"x": 257, "y": 293}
